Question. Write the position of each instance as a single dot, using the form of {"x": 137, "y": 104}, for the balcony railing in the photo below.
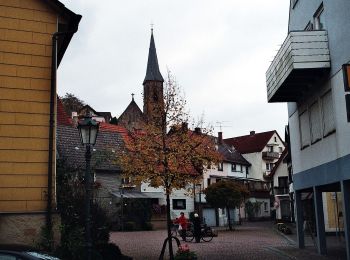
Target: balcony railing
{"x": 302, "y": 59}
{"x": 281, "y": 190}
{"x": 270, "y": 155}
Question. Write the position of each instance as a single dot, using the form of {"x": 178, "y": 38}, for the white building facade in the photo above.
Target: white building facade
{"x": 311, "y": 73}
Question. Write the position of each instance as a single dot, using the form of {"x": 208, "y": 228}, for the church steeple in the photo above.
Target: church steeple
{"x": 152, "y": 72}
{"x": 153, "y": 101}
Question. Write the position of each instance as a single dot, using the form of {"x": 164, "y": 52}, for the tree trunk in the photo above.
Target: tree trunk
{"x": 229, "y": 218}
{"x": 171, "y": 253}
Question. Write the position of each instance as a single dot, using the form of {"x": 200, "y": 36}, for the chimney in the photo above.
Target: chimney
{"x": 75, "y": 118}
{"x": 198, "y": 130}
{"x": 252, "y": 132}
{"x": 184, "y": 126}
{"x": 219, "y": 137}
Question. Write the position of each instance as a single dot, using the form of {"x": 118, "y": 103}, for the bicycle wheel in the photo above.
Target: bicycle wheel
{"x": 189, "y": 236}
{"x": 207, "y": 235}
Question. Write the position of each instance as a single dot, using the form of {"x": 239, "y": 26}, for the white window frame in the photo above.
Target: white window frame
{"x": 317, "y": 18}
{"x": 327, "y": 129}
{"x": 305, "y": 136}
{"x": 315, "y": 122}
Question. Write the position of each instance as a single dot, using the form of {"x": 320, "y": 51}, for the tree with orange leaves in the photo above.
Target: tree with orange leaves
{"x": 165, "y": 153}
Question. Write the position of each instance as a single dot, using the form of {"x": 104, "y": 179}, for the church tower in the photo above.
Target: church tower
{"x": 153, "y": 102}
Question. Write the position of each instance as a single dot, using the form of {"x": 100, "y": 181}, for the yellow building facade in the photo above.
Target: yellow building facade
{"x": 26, "y": 39}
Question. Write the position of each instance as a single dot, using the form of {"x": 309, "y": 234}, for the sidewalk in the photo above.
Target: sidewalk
{"x": 335, "y": 247}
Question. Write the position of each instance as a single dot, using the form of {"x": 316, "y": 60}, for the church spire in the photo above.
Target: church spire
{"x": 152, "y": 72}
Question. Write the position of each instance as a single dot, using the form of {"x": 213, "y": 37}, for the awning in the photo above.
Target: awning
{"x": 139, "y": 195}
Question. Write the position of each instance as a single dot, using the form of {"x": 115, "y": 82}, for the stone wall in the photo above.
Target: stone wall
{"x": 25, "y": 229}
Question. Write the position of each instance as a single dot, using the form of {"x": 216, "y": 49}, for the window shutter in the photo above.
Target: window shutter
{"x": 304, "y": 129}
{"x": 328, "y": 115}
{"x": 316, "y": 130}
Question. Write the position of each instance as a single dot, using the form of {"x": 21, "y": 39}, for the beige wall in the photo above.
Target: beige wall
{"x": 26, "y": 28}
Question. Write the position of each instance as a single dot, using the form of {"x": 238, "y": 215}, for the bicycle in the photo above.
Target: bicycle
{"x": 206, "y": 235}
{"x": 175, "y": 230}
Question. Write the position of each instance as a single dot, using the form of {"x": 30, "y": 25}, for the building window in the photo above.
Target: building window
{"x": 208, "y": 182}
{"x": 283, "y": 182}
{"x": 304, "y": 129}
{"x": 221, "y": 166}
{"x": 327, "y": 113}
{"x": 239, "y": 168}
{"x": 233, "y": 167}
{"x": 309, "y": 26}
{"x": 275, "y": 139}
{"x": 179, "y": 204}
{"x": 319, "y": 19}
{"x": 270, "y": 149}
{"x": 269, "y": 166}
{"x": 280, "y": 149}
{"x": 246, "y": 168}
{"x": 315, "y": 124}
{"x": 265, "y": 207}
{"x": 294, "y": 2}
{"x": 223, "y": 211}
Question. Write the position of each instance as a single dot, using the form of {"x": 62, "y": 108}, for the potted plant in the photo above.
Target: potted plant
{"x": 184, "y": 253}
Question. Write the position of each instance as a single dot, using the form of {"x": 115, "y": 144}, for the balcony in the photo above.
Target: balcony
{"x": 302, "y": 59}
{"x": 270, "y": 155}
{"x": 281, "y": 190}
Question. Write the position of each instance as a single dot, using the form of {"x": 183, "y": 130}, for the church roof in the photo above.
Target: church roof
{"x": 152, "y": 72}
{"x": 132, "y": 108}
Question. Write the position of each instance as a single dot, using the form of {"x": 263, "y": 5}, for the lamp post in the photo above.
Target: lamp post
{"x": 199, "y": 187}
{"x": 88, "y": 129}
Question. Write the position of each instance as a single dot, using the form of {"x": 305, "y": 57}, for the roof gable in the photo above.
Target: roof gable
{"x": 231, "y": 155}
{"x": 250, "y": 143}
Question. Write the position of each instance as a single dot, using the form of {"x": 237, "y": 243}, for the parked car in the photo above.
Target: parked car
{"x": 24, "y": 255}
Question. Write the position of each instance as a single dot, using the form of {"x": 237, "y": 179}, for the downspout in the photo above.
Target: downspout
{"x": 55, "y": 37}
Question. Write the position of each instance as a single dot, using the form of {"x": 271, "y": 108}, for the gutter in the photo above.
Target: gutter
{"x": 55, "y": 38}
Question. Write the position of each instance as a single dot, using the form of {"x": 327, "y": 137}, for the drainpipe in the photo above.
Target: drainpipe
{"x": 55, "y": 37}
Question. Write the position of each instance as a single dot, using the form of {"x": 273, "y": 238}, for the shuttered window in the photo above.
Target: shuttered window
{"x": 304, "y": 129}
{"x": 328, "y": 115}
{"x": 315, "y": 122}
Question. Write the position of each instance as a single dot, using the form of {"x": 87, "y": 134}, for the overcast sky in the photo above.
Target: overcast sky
{"x": 218, "y": 50}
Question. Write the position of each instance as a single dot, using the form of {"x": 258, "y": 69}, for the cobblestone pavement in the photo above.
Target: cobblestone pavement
{"x": 259, "y": 240}
{"x": 250, "y": 241}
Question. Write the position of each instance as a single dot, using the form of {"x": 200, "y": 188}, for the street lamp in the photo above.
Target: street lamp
{"x": 199, "y": 187}
{"x": 88, "y": 129}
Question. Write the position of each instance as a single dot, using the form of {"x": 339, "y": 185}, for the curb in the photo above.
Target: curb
{"x": 290, "y": 241}
{"x": 280, "y": 253}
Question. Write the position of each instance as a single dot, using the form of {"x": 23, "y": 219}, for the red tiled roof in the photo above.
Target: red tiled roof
{"x": 250, "y": 143}
{"x": 62, "y": 117}
{"x": 106, "y": 127}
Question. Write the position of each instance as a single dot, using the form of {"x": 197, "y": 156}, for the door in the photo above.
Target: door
{"x": 209, "y": 217}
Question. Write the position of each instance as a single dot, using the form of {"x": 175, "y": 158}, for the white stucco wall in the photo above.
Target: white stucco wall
{"x": 329, "y": 148}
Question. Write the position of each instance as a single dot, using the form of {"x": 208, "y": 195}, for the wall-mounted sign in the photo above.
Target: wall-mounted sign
{"x": 346, "y": 73}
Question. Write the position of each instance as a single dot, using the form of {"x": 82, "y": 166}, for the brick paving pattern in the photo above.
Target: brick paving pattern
{"x": 259, "y": 240}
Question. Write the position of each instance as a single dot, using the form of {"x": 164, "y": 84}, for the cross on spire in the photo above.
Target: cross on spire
{"x": 152, "y": 25}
